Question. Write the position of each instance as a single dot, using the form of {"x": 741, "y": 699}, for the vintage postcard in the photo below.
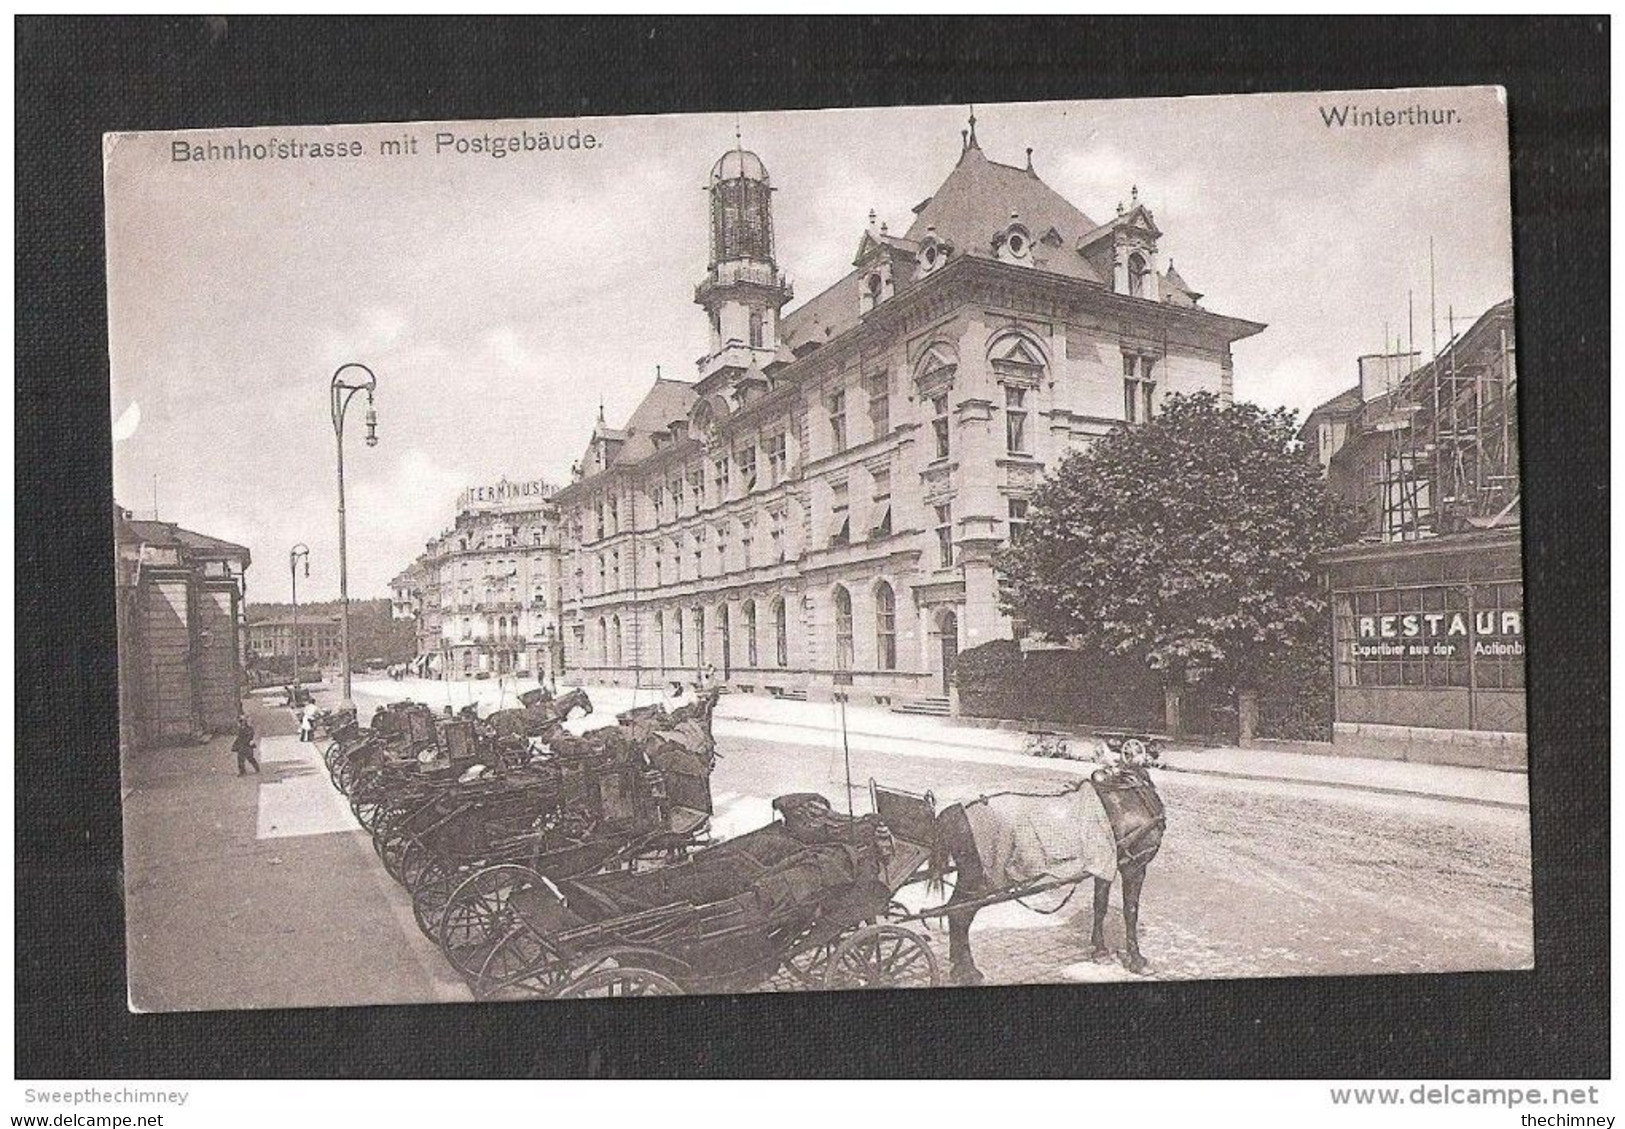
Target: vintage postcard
{"x": 893, "y": 548}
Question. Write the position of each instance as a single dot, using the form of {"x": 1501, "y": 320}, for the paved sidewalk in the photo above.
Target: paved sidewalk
{"x": 874, "y": 729}
{"x": 260, "y": 891}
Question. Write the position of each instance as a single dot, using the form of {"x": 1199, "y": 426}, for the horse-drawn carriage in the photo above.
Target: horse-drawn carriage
{"x": 813, "y": 895}
{"x": 445, "y": 798}
{"x": 806, "y": 896}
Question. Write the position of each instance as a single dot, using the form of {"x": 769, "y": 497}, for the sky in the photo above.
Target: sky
{"x": 500, "y": 301}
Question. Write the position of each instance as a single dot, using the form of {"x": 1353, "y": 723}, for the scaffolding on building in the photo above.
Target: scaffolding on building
{"x": 1448, "y": 459}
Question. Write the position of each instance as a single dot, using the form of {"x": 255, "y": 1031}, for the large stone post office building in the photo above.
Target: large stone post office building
{"x": 822, "y": 508}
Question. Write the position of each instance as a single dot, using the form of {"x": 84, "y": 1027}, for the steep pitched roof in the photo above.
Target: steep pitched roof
{"x": 975, "y": 203}
{"x": 167, "y": 533}
{"x": 665, "y": 401}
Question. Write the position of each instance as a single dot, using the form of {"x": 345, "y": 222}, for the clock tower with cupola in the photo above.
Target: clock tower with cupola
{"x": 743, "y": 289}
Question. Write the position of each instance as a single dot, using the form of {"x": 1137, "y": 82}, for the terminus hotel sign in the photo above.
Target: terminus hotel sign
{"x": 1415, "y": 635}
{"x": 504, "y": 495}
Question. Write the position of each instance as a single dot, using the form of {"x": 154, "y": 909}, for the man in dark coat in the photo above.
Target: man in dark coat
{"x": 243, "y": 746}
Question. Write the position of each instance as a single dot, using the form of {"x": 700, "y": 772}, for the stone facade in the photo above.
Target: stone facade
{"x": 320, "y": 639}
{"x": 484, "y": 592}
{"x": 824, "y": 507}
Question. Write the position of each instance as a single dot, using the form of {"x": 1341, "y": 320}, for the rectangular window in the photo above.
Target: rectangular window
{"x": 837, "y": 421}
{"x": 746, "y": 457}
{"x": 879, "y": 387}
{"x": 939, "y": 424}
{"x": 696, "y": 487}
{"x": 615, "y": 570}
{"x": 676, "y": 486}
{"x": 699, "y": 553}
{"x": 1015, "y": 419}
{"x": 658, "y": 501}
{"x": 945, "y": 536}
{"x": 775, "y": 534}
{"x": 840, "y": 516}
{"x": 659, "y": 568}
{"x": 744, "y": 550}
{"x": 1139, "y": 388}
{"x": 880, "y": 520}
{"x": 722, "y": 478}
{"x": 778, "y": 464}
{"x": 614, "y": 514}
{"x": 682, "y": 643}
{"x": 601, "y": 573}
{"x": 1017, "y": 520}
{"x": 600, "y": 521}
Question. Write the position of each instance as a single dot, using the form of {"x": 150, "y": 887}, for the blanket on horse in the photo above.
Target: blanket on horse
{"x": 1022, "y": 839}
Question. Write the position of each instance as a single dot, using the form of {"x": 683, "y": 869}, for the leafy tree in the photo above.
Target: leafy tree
{"x": 1187, "y": 542}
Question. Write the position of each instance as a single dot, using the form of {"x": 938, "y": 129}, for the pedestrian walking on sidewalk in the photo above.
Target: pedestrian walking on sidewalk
{"x": 307, "y": 722}
{"x": 244, "y": 746}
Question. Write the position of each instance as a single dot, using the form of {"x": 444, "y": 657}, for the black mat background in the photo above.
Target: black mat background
{"x": 76, "y": 78}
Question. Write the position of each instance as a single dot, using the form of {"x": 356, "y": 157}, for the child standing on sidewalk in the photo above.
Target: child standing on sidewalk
{"x": 243, "y": 746}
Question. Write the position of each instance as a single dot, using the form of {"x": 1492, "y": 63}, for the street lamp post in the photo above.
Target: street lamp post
{"x": 299, "y": 552}
{"x": 342, "y": 391}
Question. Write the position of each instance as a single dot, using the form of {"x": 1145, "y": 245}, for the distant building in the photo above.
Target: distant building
{"x": 320, "y": 639}
{"x": 180, "y": 600}
{"x": 1428, "y": 612}
{"x": 822, "y": 508}
{"x": 484, "y": 593}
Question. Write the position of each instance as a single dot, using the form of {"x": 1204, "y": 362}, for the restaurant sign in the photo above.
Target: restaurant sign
{"x": 1491, "y": 633}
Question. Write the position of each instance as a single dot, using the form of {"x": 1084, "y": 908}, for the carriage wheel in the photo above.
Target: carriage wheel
{"x": 618, "y": 983}
{"x": 882, "y": 956}
{"x": 416, "y": 862}
{"x": 429, "y": 900}
{"x": 393, "y": 853}
{"x": 519, "y": 964}
{"x": 478, "y": 914}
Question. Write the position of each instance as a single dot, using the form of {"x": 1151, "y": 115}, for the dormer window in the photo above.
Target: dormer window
{"x": 1014, "y": 245}
{"x": 932, "y": 255}
{"x": 1139, "y": 276}
{"x": 876, "y": 288}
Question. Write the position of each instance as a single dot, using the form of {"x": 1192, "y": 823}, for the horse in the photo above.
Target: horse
{"x": 540, "y": 715}
{"x": 1110, "y": 825}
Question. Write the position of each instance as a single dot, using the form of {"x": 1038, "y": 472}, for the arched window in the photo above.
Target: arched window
{"x": 699, "y": 638}
{"x": 757, "y": 330}
{"x": 1139, "y": 273}
{"x": 750, "y": 633}
{"x": 615, "y": 639}
{"x": 843, "y": 628}
{"x": 603, "y": 640}
{"x": 885, "y": 627}
{"x": 781, "y": 633}
{"x": 682, "y": 644}
{"x": 660, "y": 636}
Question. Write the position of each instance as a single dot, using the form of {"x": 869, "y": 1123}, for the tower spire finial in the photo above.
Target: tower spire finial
{"x": 971, "y": 142}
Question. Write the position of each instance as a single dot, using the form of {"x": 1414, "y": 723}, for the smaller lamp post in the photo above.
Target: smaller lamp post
{"x": 299, "y": 552}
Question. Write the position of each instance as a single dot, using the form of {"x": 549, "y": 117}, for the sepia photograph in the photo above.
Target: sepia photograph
{"x": 915, "y": 547}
